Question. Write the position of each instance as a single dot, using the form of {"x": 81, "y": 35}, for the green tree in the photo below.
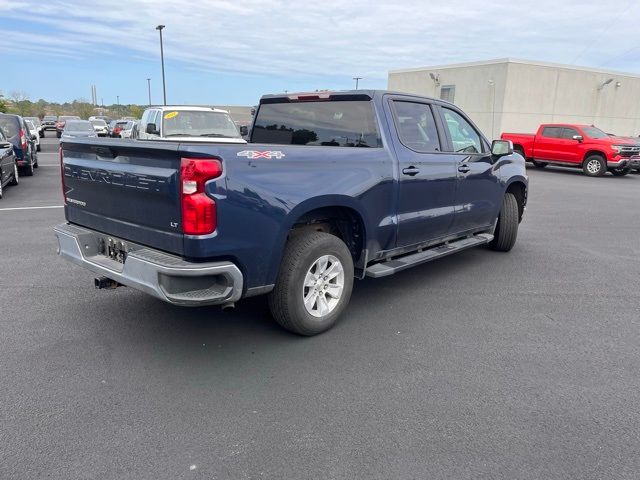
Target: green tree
{"x": 135, "y": 111}
{"x": 82, "y": 108}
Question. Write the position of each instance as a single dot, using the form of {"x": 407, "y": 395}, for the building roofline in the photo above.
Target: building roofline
{"x": 518, "y": 61}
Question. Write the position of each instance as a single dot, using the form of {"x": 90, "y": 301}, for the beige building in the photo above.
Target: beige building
{"x": 510, "y": 95}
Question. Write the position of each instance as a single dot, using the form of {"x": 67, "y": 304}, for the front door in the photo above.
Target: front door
{"x": 427, "y": 176}
{"x": 479, "y": 192}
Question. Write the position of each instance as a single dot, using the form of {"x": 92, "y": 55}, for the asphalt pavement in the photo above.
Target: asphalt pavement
{"x": 482, "y": 365}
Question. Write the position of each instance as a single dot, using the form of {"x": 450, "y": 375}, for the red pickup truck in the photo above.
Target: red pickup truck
{"x": 582, "y": 146}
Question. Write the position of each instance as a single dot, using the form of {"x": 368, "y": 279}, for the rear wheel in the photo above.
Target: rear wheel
{"x": 504, "y": 237}
{"x": 519, "y": 151}
{"x": 538, "y": 164}
{"x": 314, "y": 283}
{"x": 594, "y": 166}
{"x": 37, "y": 147}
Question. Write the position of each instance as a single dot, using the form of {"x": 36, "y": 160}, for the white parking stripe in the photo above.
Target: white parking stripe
{"x": 30, "y": 208}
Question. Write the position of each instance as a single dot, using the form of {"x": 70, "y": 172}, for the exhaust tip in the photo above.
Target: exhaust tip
{"x": 228, "y": 307}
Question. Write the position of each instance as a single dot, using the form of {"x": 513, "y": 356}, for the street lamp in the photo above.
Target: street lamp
{"x": 149, "y": 89}
{"x": 164, "y": 90}
{"x": 357, "y": 79}
{"x": 118, "y": 104}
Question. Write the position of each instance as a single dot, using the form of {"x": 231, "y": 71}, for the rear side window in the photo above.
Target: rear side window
{"x": 568, "y": 133}
{"x": 552, "y": 132}
{"x": 350, "y": 123}
{"x": 416, "y": 126}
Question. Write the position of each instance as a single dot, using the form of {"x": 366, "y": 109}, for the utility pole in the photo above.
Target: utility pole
{"x": 149, "y": 89}
{"x": 118, "y": 104}
{"x": 164, "y": 88}
{"x": 357, "y": 79}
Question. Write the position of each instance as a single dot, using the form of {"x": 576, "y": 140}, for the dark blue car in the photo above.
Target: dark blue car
{"x": 332, "y": 186}
{"x": 16, "y": 132}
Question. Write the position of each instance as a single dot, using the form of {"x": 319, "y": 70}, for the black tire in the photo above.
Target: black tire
{"x": 16, "y": 176}
{"x": 286, "y": 300}
{"x": 519, "y": 151}
{"x": 58, "y": 134}
{"x": 28, "y": 170}
{"x": 37, "y": 147}
{"x": 621, "y": 172}
{"x": 588, "y": 166}
{"x": 504, "y": 237}
{"x": 538, "y": 164}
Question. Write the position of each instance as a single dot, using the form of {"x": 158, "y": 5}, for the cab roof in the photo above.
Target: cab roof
{"x": 192, "y": 108}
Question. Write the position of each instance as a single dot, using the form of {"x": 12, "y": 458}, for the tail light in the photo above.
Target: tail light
{"x": 64, "y": 190}
{"x": 198, "y": 210}
{"x": 23, "y": 140}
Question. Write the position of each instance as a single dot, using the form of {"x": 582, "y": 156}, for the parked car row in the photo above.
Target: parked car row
{"x": 19, "y": 146}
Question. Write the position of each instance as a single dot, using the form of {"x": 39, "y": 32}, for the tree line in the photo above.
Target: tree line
{"x": 18, "y": 103}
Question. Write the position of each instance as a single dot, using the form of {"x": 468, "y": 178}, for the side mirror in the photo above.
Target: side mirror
{"x": 244, "y": 130}
{"x": 579, "y": 138}
{"x": 500, "y": 148}
{"x": 151, "y": 129}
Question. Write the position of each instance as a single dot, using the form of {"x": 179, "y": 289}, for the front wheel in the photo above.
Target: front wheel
{"x": 28, "y": 170}
{"x": 504, "y": 237}
{"x": 314, "y": 283}
{"x": 594, "y": 166}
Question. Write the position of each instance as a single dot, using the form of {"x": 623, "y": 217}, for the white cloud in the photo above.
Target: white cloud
{"x": 337, "y": 38}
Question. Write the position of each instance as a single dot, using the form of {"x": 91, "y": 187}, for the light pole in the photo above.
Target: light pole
{"x": 357, "y": 79}
{"x": 164, "y": 90}
{"x": 118, "y": 104}
{"x": 492, "y": 84}
{"x": 149, "y": 89}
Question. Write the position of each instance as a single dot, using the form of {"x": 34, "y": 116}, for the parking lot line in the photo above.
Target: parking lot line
{"x": 30, "y": 208}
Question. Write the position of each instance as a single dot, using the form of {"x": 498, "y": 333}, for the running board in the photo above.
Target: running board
{"x": 395, "y": 265}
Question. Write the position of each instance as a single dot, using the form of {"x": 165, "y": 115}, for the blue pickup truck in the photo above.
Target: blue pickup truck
{"x": 332, "y": 186}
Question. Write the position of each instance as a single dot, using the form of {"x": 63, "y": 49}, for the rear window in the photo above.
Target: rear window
{"x": 50, "y": 117}
{"x": 552, "y": 132}
{"x": 349, "y": 123}
{"x": 78, "y": 126}
{"x": 10, "y": 126}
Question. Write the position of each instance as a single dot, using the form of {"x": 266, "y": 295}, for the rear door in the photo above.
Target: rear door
{"x": 427, "y": 177}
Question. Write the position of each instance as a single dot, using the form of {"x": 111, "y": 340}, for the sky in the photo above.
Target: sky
{"x": 232, "y": 52}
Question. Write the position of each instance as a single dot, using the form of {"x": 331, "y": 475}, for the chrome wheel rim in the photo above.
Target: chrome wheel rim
{"x": 593, "y": 166}
{"x": 15, "y": 173}
{"x": 323, "y": 286}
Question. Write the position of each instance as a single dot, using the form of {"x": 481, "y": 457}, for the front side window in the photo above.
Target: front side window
{"x": 463, "y": 136}
{"x": 568, "y": 133}
{"x": 348, "y": 123}
{"x": 416, "y": 126}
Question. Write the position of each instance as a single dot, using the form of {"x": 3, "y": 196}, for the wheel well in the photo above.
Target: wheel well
{"x": 594, "y": 152}
{"x": 519, "y": 190}
{"x": 343, "y": 222}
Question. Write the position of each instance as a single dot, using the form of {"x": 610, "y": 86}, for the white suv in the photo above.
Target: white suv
{"x": 187, "y": 123}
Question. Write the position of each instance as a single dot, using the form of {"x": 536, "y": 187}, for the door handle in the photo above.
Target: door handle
{"x": 411, "y": 171}
{"x": 464, "y": 168}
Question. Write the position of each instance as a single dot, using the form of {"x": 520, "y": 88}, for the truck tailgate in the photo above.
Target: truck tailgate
{"x": 125, "y": 189}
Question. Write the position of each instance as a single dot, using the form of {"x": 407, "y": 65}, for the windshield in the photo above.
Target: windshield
{"x": 593, "y": 132}
{"x": 186, "y": 123}
{"x": 99, "y": 123}
{"x": 78, "y": 126}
